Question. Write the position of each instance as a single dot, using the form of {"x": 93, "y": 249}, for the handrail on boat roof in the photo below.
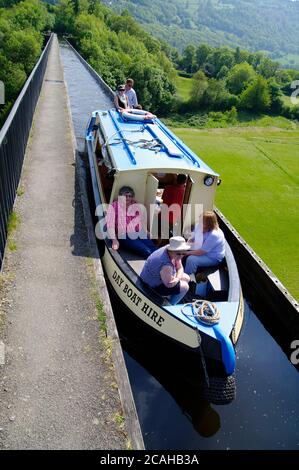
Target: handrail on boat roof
{"x": 178, "y": 144}
{"x": 130, "y": 153}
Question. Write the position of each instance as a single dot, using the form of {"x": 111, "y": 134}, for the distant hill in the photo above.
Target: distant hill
{"x": 267, "y": 25}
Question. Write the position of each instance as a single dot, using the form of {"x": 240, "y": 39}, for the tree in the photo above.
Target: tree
{"x": 188, "y": 62}
{"x": 256, "y": 96}
{"x": 20, "y": 44}
{"x": 216, "y": 97}
{"x": 267, "y": 67}
{"x": 275, "y": 94}
{"x": 200, "y": 84}
{"x": 210, "y": 93}
{"x": 241, "y": 56}
{"x": 239, "y": 77}
{"x": 23, "y": 47}
{"x": 223, "y": 72}
{"x": 154, "y": 90}
{"x": 202, "y": 52}
{"x": 220, "y": 57}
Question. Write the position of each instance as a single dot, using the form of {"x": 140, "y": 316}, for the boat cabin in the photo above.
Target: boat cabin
{"x": 148, "y": 157}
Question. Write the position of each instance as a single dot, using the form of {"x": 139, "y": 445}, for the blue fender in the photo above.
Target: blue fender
{"x": 227, "y": 350}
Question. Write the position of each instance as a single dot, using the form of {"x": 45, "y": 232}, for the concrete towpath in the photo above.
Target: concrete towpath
{"x": 57, "y": 386}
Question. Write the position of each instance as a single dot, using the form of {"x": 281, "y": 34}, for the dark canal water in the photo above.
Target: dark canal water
{"x": 172, "y": 412}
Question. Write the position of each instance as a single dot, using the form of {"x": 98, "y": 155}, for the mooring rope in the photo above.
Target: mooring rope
{"x": 152, "y": 144}
{"x": 204, "y": 311}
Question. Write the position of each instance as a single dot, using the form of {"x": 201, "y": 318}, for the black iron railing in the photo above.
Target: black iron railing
{"x": 13, "y": 140}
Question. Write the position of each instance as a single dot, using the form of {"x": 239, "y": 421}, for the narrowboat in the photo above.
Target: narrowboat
{"x": 145, "y": 155}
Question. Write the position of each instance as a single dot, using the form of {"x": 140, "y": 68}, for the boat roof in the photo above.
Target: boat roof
{"x": 140, "y": 145}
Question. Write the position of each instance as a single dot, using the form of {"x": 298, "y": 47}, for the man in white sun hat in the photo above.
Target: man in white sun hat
{"x": 163, "y": 270}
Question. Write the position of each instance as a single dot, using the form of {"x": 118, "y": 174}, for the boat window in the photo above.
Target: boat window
{"x": 165, "y": 179}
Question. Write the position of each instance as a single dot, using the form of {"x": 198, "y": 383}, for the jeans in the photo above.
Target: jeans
{"x": 176, "y": 293}
{"x": 194, "y": 262}
{"x": 142, "y": 247}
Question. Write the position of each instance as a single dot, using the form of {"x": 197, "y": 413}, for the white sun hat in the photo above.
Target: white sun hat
{"x": 178, "y": 244}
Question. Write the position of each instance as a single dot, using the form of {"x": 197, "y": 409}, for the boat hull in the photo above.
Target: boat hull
{"x": 157, "y": 322}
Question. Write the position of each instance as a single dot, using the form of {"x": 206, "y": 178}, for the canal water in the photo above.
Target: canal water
{"x": 172, "y": 411}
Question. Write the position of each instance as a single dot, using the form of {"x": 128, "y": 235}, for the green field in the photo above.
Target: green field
{"x": 290, "y": 61}
{"x": 259, "y": 193}
{"x": 184, "y": 86}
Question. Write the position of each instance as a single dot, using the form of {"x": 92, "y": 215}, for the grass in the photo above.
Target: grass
{"x": 184, "y": 86}
{"x": 119, "y": 419}
{"x": 20, "y": 191}
{"x": 101, "y": 315}
{"x": 12, "y": 225}
{"x": 259, "y": 193}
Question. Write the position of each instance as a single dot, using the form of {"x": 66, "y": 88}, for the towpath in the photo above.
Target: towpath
{"x": 57, "y": 387}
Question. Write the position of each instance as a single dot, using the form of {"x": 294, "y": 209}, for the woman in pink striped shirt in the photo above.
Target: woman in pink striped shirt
{"x": 126, "y": 224}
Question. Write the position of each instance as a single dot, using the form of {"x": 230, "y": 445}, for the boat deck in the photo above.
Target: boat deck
{"x": 137, "y": 145}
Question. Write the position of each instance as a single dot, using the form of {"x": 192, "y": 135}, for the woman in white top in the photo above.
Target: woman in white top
{"x": 208, "y": 244}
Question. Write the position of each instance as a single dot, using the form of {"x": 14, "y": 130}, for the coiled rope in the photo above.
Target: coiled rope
{"x": 152, "y": 144}
{"x": 204, "y": 311}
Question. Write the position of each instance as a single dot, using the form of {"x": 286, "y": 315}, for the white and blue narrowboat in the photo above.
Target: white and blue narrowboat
{"x": 144, "y": 154}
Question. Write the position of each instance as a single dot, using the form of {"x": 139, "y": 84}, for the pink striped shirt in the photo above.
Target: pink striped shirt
{"x": 121, "y": 219}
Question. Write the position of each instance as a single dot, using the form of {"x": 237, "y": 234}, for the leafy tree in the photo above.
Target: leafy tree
{"x": 117, "y": 47}
{"x": 267, "y": 67}
{"x": 154, "y": 90}
{"x": 258, "y": 25}
{"x": 239, "y": 77}
{"x": 219, "y": 57}
{"x": 64, "y": 17}
{"x": 13, "y": 75}
{"x": 21, "y": 40}
{"x": 256, "y": 96}
{"x": 188, "y": 61}
{"x": 217, "y": 97}
{"x": 23, "y": 47}
{"x": 241, "y": 56}
{"x": 223, "y": 72}
{"x": 210, "y": 93}
{"x": 202, "y": 52}
{"x": 200, "y": 84}
{"x": 275, "y": 95}
{"x": 30, "y": 14}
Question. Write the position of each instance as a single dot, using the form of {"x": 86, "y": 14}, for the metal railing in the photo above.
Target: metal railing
{"x": 13, "y": 140}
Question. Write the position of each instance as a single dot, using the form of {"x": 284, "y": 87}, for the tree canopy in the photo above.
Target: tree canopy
{"x": 21, "y": 40}
{"x": 270, "y": 25}
{"x": 117, "y": 47}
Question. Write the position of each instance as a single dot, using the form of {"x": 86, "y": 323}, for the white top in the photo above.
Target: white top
{"x": 132, "y": 98}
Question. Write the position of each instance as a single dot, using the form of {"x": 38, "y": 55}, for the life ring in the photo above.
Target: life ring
{"x": 137, "y": 115}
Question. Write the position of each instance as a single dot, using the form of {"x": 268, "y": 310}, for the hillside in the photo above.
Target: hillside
{"x": 267, "y": 25}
